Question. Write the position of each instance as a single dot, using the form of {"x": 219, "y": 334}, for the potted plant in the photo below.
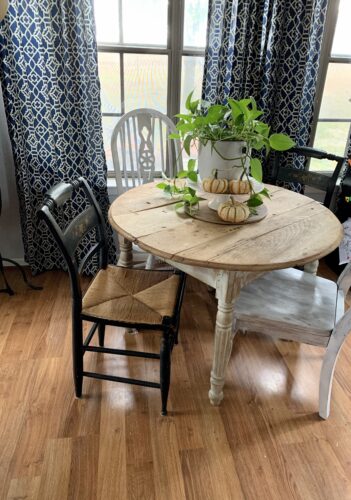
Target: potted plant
{"x": 226, "y": 135}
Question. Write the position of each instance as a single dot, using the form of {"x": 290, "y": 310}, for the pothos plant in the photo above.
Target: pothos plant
{"x": 174, "y": 188}
{"x": 237, "y": 120}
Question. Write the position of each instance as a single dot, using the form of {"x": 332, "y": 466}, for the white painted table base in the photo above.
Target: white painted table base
{"x": 296, "y": 231}
{"x": 227, "y": 285}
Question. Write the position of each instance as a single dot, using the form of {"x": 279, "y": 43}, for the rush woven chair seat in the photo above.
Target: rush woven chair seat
{"x": 131, "y": 298}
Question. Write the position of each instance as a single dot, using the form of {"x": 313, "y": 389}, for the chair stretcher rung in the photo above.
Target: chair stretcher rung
{"x": 90, "y": 334}
{"x": 107, "y": 350}
{"x": 133, "y": 381}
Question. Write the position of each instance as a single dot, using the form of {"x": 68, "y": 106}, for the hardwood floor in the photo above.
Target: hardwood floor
{"x": 265, "y": 441}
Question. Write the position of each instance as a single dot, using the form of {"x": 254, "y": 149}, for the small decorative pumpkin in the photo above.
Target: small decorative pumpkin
{"x": 215, "y": 185}
{"x": 233, "y": 211}
{"x": 239, "y": 186}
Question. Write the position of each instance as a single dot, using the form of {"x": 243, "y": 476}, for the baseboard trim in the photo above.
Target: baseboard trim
{"x": 21, "y": 262}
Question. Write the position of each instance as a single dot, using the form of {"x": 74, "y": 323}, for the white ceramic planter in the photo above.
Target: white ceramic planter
{"x": 209, "y": 159}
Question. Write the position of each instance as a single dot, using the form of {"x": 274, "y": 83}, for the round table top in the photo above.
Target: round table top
{"x": 296, "y": 230}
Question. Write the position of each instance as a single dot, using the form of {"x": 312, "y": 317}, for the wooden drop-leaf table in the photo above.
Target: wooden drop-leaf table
{"x": 296, "y": 231}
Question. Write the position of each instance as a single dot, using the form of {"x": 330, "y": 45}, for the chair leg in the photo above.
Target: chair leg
{"x": 165, "y": 369}
{"x": 150, "y": 262}
{"x": 77, "y": 343}
{"x": 336, "y": 341}
{"x": 101, "y": 333}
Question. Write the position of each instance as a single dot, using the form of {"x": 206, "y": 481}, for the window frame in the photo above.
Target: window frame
{"x": 174, "y": 50}
{"x": 325, "y": 60}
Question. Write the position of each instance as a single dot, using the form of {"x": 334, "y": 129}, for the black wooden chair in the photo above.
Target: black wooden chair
{"x": 148, "y": 300}
{"x": 325, "y": 182}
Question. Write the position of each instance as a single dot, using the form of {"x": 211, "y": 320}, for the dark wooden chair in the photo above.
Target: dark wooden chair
{"x": 131, "y": 298}
{"x": 326, "y": 182}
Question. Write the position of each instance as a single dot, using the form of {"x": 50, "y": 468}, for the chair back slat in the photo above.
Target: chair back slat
{"x": 61, "y": 193}
{"x": 325, "y": 182}
{"x": 69, "y": 238}
{"x": 162, "y": 146}
{"x": 78, "y": 228}
{"x": 306, "y": 177}
{"x": 141, "y": 149}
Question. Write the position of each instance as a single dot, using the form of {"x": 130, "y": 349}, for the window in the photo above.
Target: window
{"x": 150, "y": 54}
{"x": 334, "y": 117}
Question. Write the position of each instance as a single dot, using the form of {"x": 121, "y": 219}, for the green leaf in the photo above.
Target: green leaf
{"x": 191, "y": 165}
{"x": 281, "y": 142}
{"x": 186, "y": 144}
{"x": 262, "y": 128}
{"x": 167, "y": 188}
{"x": 174, "y": 136}
{"x": 192, "y": 176}
{"x": 215, "y": 113}
{"x": 188, "y": 197}
{"x": 182, "y": 174}
{"x": 256, "y": 169}
{"x": 265, "y": 193}
{"x": 254, "y": 201}
{"x": 186, "y": 127}
{"x": 255, "y": 114}
{"x": 188, "y": 101}
{"x": 178, "y": 205}
{"x": 236, "y": 109}
{"x": 186, "y": 118}
{"x": 161, "y": 185}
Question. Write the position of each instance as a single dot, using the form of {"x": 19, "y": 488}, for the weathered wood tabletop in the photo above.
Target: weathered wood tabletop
{"x": 297, "y": 230}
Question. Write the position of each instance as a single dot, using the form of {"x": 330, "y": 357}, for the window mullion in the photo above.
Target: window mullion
{"x": 121, "y": 69}
{"x": 327, "y": 43}
{"x": 176, "y": 24}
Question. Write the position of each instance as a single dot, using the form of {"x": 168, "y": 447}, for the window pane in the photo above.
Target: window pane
{"x": 108, "y": 124}
{"x": 192, "y": 73}
{"x": 342, "y": 39}
{"x": 107, "y": 21}
{"x": 195, "y": 23}
{"x": 336, "y": 100}
{"x": 109, "y": 73}
{"x": 145, "y": 81}
{"x": 331, "y": 137}
{"x": 144, "y": 22}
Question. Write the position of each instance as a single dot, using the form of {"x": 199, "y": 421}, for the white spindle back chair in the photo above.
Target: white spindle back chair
{"x": 141, "y": 151}
{"x": 295, "y": 305}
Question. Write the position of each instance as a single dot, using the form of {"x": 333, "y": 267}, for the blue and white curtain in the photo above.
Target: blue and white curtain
{"x": 268, "y": 49}
{"x": 48, "y": 72}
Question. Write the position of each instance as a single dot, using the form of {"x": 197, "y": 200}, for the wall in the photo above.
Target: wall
{"x": 10, "y": 232}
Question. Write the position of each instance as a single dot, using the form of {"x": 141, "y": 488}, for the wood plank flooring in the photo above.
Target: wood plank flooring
{"x": 265, "y": 441}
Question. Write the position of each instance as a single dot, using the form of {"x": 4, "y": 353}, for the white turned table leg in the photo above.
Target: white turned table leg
{"x": 228, "y": 286}
{"x": 126, "y": 260}
{"x": 222, "y": 349}
{"x": 125, "y": 252}
{"x": 311, "y": 267}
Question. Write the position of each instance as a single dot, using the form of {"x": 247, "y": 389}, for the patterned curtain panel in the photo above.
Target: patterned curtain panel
{"x": 268, "y": 49}
{"x": 48, "y": 71}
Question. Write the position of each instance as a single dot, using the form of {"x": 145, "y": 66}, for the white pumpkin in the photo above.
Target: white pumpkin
{"x": 213, "y": 185}
{"x": 239, "y": 186}
{"x": 233, "y": 211}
